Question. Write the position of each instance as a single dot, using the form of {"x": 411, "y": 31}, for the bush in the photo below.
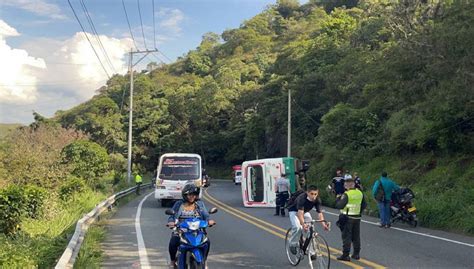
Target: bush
{"x": 17, "y": 202}
{"x": 71, "y": 186}
{"x": 88, "y": 160}
{"x": 35, "y": 196}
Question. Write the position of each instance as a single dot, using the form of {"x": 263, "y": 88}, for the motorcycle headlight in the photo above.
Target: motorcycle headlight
{"x": 194, "y": 225}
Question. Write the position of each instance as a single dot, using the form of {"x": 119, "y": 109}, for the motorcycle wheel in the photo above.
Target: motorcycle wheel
{"x": 413, "y": 222}
{"x": 192, "y": 264}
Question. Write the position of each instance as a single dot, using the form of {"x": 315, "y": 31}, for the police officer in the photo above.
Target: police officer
{"x": 351, "y": 203}
{"x": 138, "y": 182}
{"x": 282, "y": 188}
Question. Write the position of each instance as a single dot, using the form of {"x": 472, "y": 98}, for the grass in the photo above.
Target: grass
{"x": 90, "y": 255}
{"x": 41, "y": 242}
{"x": 443, "y": 187}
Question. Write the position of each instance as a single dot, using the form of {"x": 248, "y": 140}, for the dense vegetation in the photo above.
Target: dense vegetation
{"x": 51, "y": 177}
{"x": 376, "y": 85}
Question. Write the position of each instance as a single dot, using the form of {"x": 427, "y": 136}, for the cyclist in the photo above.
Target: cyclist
{"x": 189, "y": 207}
{"x": 299, "y": 214}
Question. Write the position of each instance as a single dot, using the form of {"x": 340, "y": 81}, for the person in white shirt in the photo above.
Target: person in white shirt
{"x": 282, "y": 190}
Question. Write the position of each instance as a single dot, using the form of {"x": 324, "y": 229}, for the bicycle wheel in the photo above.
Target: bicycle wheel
{"x": 294, "y": 257}
{"x": 321, "y": 248}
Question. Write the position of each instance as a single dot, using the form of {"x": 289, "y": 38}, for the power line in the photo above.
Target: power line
{"x": 159, "y": 51}
{"x": 96, "y": 35}
{"x": 129, "y": 27}
{"x": 154, "y": 30}
{"x": 141, "y": 23}
{"x": 87, "y": 37}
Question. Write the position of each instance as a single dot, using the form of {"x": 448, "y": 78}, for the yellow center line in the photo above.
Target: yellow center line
{"x": 242, "y": 216}
{"x": 246, "y": 217}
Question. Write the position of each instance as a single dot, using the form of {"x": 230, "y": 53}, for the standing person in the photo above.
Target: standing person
{"x": 351, "y": 203}
{"x": 282, "y": 188}
{"x": 388, "y": 187}
{"x": 337, "y": 183}
{"x": 138, "y": 182}
{"x": 299, "y": 214}
{"x": 358, "y": 184}
{"x": 302, "y": 180}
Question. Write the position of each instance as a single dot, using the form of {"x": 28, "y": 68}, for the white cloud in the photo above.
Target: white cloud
{"x": 17, "y": 70}
{"x": 171, "y": 19}
{"x": 66, "y": 73}
{"x": 39, "y": 7}
{"x": 86, "y": 67}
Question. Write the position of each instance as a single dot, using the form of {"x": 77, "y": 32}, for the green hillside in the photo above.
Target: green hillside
{"x": 376, "y": 85}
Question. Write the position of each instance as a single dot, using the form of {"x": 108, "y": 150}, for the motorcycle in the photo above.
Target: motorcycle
{"x": 193, "y": 237}
{"x": 402, "y": 207}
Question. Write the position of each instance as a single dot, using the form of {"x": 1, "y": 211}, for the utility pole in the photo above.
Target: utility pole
{"x": 288, "y": 151}
{"x": 130, "y": 118}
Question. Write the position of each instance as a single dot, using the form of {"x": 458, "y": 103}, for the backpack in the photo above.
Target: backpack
{"x": 292, "y": 200}
{"x": 380, "y": 193}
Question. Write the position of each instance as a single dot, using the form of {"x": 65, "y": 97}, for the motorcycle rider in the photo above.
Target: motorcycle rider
{"x": 188, "y": 207}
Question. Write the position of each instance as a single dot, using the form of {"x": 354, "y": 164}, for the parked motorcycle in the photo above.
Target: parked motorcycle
{"x": 402, "y": 207}
{"x": 194, "y": 242}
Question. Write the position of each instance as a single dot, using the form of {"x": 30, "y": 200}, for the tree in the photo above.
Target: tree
{"x": 88, "y": 160}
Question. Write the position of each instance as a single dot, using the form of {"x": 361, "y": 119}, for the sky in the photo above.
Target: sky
{"x": 47, "y": 64}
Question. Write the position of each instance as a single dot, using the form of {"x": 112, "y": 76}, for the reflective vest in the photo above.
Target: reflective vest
{"x": 354, "y": 201}
{"x": 138, "y": 179}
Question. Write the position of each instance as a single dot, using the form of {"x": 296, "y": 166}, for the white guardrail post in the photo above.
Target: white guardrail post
{"x": 72, "y": 250}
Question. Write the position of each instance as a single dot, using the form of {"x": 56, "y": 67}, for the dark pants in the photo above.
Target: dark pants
{"x": 138, "y": 188}
{"x": 351, "y": 234}
{"x": 281, "y": 199}
{"x": 174, "y": 244}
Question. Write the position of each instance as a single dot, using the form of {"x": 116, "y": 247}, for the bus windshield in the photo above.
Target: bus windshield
{"x": 180, "y": 168}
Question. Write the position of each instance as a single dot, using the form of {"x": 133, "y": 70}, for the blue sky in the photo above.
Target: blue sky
{"x": 50, "y": 65}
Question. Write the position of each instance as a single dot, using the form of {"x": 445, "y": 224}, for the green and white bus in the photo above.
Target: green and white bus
{"x": 259, "y": 176}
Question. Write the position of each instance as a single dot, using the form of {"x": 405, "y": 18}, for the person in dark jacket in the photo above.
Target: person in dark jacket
{"x": 188, "y": 207}
{"x": 337, "y": 184}
{"x": 351, "y": 203}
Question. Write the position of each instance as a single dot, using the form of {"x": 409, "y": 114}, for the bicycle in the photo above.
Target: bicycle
{"x": 314, "y": 241}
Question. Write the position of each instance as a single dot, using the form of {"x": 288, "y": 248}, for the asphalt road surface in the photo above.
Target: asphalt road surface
{"x": 254, "y": 238}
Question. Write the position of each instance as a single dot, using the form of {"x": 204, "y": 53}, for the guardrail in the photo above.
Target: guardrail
{"x": 72, "y": 250}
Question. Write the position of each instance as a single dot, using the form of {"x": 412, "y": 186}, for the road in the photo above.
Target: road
{"x": 253, "y": 238}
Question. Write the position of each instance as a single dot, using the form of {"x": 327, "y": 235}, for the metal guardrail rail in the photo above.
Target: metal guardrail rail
{"x": 72, "y": 250}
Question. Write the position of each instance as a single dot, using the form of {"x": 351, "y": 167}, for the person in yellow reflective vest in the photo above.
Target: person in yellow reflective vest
{"x": 351, "y": 203}
{"x": 138, "y": 182}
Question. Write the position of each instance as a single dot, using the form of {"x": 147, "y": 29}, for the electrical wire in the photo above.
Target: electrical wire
{"x": 129, "y": 27}
{"x": 97, "y": 37}
{"x": 141, "y": 23}
{"x": 154, "y": 30}
{"x": 87, "y": 37}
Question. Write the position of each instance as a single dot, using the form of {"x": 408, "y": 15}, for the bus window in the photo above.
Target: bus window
{"x": 180, "y": 168}
{"x": 256, "y": 183}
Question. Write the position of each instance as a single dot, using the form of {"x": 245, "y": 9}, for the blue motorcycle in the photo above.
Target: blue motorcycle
{"x": 194, "y": 243}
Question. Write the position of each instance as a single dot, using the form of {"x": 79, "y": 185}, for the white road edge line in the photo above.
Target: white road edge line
{"x": 412, "y": 232}
{"x": 144, "y": 263}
